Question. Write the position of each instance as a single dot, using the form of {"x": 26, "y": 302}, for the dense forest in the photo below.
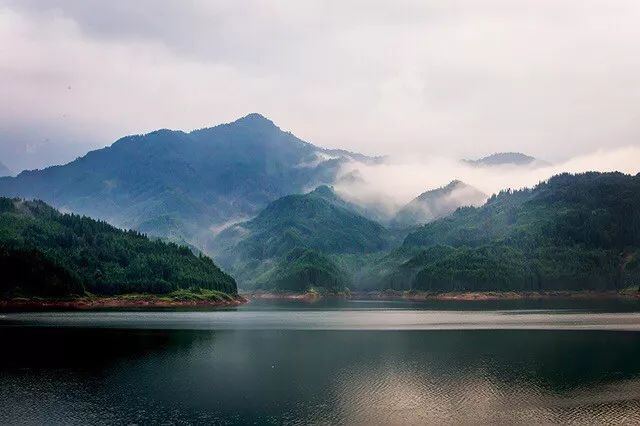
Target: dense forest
{"x": 46, "y": 253}
{"x": 294, "y": 237}
{"x": 301, "y": 270}
{"x": 574, "y": 232}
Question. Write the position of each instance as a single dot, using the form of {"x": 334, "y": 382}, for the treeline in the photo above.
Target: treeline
{"x": 44, "y": 252}
{"x": 574, "y": 232}
{"x": 302, "y": 269}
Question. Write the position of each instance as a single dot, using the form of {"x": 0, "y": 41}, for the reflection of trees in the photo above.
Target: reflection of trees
{"x": 90, "y": 349}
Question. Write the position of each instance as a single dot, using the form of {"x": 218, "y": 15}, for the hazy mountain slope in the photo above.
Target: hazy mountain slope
{"x": 596, "y": 209}
{"x": 506, "y": 158}
{"x": 4, "y": 170}
{"x": 437, "y": 203}
{"x": 318, "y": 221}
{"x": 302, "y": 269}
{"x": 44, "y": 252}
{"x": 178, "y": 185}
{"x": 572, "y": 232}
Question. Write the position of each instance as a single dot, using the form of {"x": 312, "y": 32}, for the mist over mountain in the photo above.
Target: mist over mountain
{"x": 240, "y": 193}
{"x": 318, "y": 221}
{"x": 506, "y": 158}
{"x": 183, "y": 186}
{"x": 573, "y": 232}
{"x": 436, "y": 203}
{"x": 4, "y": 170}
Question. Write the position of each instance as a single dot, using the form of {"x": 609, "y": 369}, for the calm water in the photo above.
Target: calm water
{"x": 332, "y": 362}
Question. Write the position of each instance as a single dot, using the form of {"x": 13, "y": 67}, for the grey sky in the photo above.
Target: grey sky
{"x": 553, "y": 79}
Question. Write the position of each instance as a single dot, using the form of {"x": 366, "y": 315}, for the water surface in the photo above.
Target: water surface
{"x": 335, "y": 362}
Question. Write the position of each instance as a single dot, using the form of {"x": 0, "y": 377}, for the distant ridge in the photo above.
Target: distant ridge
{"x": 506, "y": 158}
{"x": 436, "y": 203}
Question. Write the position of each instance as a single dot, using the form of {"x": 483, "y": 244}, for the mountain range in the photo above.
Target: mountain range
{"x": 573, "y": 232}
{"x": 187, "y": 187}
{"x": 259, "y": 200}
{"x": 181, "y": 186}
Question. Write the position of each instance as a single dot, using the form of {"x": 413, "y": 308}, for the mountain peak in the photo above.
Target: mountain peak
{"x": 447, "y": 189}
{"x": 254, "y": 118}
{"x": 439, "y": 202}
{"x": 454, "y": 183}
{"x": 324, "y": 191}
{"x": 504, "y": 158}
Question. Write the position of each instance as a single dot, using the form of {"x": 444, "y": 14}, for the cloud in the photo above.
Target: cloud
{"x": 396, "y": 181}
{"x": 413, "y": 78}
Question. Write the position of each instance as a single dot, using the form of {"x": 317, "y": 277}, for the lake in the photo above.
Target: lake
{"x": 330, "y": 362}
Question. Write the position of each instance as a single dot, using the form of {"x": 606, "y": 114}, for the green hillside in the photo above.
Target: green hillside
{"x": 301, "y": 270}
{"x": 47, "y": 253}
{"x": 318, "y": 222}
{"x": 573, "y": 232}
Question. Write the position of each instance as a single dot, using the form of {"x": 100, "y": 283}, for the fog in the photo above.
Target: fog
{"x": 396, "y": 181}
{"x": 459, "y": 78}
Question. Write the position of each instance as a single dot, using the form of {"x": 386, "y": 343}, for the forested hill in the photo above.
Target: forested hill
{"x": 593, "y": 209}
{"x": 46, "y": 253}
{"x": 179, "y": 185}
{"x": 573, "y": 232}
{"x": 318, "y": 222}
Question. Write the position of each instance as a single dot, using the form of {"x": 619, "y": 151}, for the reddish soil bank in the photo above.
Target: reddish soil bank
{"x": 112, "y": 302}
{"x": 462, "y": 296}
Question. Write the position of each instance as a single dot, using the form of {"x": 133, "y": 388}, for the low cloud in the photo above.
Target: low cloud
{"x": 393, "y": 183}
{"x": 459, "y": 78}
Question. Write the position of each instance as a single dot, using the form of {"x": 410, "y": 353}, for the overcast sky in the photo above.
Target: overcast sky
{"x": 551, "y": 78}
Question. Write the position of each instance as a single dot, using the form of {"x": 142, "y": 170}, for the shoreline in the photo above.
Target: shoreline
{"x": 143, "y": 301}
{"x": 116, "y": 302}
{"x": 447, "y": 296}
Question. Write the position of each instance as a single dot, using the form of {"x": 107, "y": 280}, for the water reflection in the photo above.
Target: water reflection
{"x": 78, "y": 375}
{"x": 334, "y": 320}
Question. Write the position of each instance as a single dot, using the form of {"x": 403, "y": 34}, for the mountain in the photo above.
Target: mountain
{"x": 319, "y": 222}
{"x": 4, "y": 170}
{"x": 574, "y": 232}
{"x": 506, "y": 158}
{"x": 436, "y": 203}
{"x": 302, "y": 269}
{"x": 46, "y": 253}
{"x": 182, "y": 186}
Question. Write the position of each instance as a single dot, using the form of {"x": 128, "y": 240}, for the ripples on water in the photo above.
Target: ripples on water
{"x": 182, "y": 368}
